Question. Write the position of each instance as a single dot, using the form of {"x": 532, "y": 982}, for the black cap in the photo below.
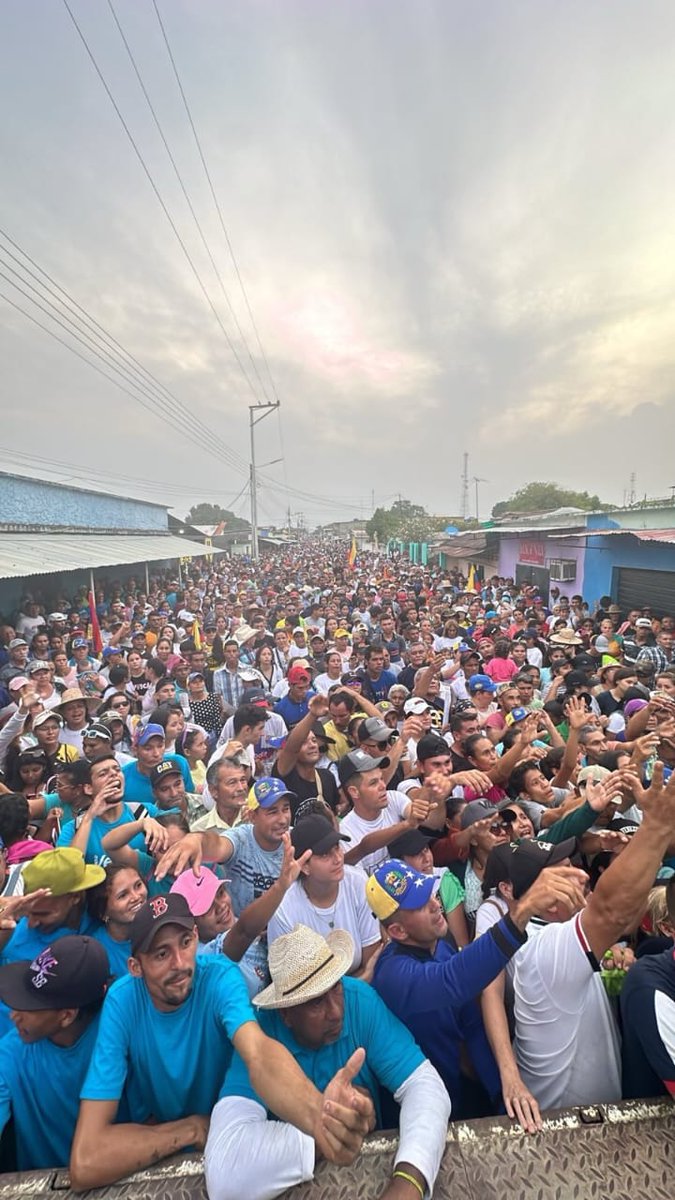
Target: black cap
{"x": 356, "y": 763}
{"x": 315, "y": 833}
{"x": 431, "y": 746}
{"x": 162, "y": 770}
{"x": 160, "y": 910}
{"x": 319, "y": 731}
{"x": 529, "y": 857}
{"x": 408, "y": 843}
{"x": 70, "y": 973}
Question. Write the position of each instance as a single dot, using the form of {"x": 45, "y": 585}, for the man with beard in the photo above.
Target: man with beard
{"x": 165, "y": 1039}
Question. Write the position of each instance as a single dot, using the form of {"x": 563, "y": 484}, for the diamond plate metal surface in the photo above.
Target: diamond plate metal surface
{"x": 628, "y": 1155}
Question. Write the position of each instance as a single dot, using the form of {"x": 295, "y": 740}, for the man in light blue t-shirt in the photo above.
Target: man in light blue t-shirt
{"x": 165, "y": 1040}
{"x": 150, "y": 750}
{"x": 325, "y": 1019}
{"x": 54, "y": 1000}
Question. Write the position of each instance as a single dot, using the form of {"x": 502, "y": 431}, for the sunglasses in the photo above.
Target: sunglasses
{"x": 120, "y": 704}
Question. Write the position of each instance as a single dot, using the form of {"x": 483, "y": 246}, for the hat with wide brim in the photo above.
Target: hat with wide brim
{"x": 244, "y": 634}
{"x": 565, "y": 637}
{"x": 71, "y": 694}
{"x": 305, "y": 965}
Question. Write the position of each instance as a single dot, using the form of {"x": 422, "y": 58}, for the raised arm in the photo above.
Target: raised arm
{"x": 288, "y": 755}
{"x": 257, "y": 915}
{"x": 620, "y": 897}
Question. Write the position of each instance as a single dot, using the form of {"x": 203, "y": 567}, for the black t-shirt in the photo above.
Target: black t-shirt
{"x": 305, "y": 789}
{"x": 607, "y": 704}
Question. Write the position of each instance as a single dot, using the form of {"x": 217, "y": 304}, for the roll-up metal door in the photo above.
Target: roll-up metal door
{"x": 637, "y": 589}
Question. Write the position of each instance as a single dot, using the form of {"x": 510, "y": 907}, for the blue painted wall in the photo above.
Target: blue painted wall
{"x": 604, "y": 555}
{"x": 36, "y": 502}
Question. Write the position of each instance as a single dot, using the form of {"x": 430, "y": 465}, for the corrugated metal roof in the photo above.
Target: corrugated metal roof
{"x": 644, "y": 535}
{"x": 45, "y": 553}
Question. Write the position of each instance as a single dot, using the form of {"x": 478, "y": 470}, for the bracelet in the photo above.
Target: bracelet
{"x": 410, "y": 1179}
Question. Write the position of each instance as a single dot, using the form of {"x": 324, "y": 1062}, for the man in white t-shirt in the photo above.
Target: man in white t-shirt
{"x": 374, "y": 808}
{"x": 567, "y": 1045}
{"x": 327, "y": 895}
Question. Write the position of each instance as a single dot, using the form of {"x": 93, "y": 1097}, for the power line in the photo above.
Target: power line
{"x": 157, "y": 410}
{"x": 108, "y": 340}
{"x": 131, "y": 371}
{"x": 158, "y": 194}
{"x": 215, "y": 201}
{"x": 184, "y": 190}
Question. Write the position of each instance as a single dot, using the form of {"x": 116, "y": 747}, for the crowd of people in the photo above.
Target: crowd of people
{"x": 314, "y": 846}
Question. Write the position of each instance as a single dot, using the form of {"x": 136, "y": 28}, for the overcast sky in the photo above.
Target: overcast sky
{"x": 455, "y": 223}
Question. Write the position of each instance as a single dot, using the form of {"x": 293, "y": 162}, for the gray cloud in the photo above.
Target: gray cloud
{"x": 454, "y": 222}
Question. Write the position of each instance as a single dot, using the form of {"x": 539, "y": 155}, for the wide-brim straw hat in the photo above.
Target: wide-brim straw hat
{"x": 243, "y": 634}
{"x": 565, "y": 637}
{"x": 70, "y": 694}
{"x": 304, "y": 965}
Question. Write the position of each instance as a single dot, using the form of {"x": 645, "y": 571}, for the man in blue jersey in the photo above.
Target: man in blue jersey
{"x": 150, "y": 750}
{"x": 54, "y": 1001}
{"x": 165, "y": 1040}
{"x": 432, "y": 988}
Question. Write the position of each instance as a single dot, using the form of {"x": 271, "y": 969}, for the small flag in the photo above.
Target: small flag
{"x": 196, "y": 635}
{"x": 96, "y": 639}
{"x": 471, "y": 581}
{"x": 351, "y": 557}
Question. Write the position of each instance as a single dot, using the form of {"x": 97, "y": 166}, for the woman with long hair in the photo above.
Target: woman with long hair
{"x": 267, "y": 665}
{"x": 114, "y": 904}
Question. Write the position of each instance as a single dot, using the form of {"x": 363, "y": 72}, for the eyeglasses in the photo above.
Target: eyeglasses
{"x": 121, "y": 704}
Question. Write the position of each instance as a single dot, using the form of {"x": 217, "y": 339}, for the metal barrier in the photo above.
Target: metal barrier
{"x": 610, "y": 1152}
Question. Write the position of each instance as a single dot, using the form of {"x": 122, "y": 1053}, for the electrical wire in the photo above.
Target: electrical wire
{"x": 110, "y": 343}
{"x": 159, "y": 196}
{"x": 188, "y": 200}
{"x": 215, "y": 201}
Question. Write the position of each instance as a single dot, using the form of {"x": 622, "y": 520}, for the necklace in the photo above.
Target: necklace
{"x": 326, "y": 914}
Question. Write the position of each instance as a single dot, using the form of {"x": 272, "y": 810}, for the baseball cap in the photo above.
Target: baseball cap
{"x": 356, "y": 763}
{"x": 153, "y": 915}
{"x": 97, "y": 730}
{"x": 374, "y": 730}
{"x": 55, "y": 617}
{"x": 37, "y": 664}
{"x": 79, "y": 643}
{"x": 199, "y": 891}
{"x": 108, "y": 651}
{"x": 162, "y": 770}
{"x": 62, "y": 870}
{"x": 266, "y": 791}
{"x": 529, "y": 857}
{"x": 256, "y": 696}
{"x": 641, "y": 623}
{"x": 315, "y": 833}
{"x": 298, "y": 674}
{"x": 350, "y": 678}
{"x": 516, "y": 715}
{"x": 17, "y": 681}
{"x": 415, "y": 706}
{"x": 477, "y": 810}
{"x": 341, "y": 633}
{"x": 481, "y": 683}
{"x": 150, "y": 731}
{"x": 411, "y": 842}
{"x": 16, "y": 642}
{"x": 432, "y": 746}
{"x": 196, "y": 675}
{"x": 394, "y": 885}
{"x": 71, "y": 973}
{"x": 595, "y": 772}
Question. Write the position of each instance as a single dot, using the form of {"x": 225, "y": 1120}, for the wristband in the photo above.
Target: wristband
{"x": 410, "y": 1179}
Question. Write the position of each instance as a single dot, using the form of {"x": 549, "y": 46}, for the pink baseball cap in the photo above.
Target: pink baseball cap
{"x": 18, "y": 681}
{"x": 198, "y": 891}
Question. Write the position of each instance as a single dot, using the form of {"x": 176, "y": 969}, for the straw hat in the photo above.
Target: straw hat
{"x": 304, "y": 965}
{"x": 566, "y": 637}
{"x": 70, "y": 694}
{"x": 243, "y": 634}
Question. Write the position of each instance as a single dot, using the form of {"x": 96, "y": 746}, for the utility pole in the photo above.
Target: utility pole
{"x": 263, "y": 411}
{"x": 464, "y": 507}
{"x": 478, "y": 480}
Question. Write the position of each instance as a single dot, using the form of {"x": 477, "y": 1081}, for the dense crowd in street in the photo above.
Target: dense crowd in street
{"x": 327, "y": 843}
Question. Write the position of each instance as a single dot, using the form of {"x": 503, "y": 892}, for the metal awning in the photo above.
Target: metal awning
{"x": 666, "y": 536}
{"x": 47, "y": 553}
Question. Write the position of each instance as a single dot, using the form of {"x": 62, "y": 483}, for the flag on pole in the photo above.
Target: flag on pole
{"x": 196, "y": 635}
{"x": 351, "y": 557}
{"x": 95, "y": 637}
{"x": 471, "y": 580}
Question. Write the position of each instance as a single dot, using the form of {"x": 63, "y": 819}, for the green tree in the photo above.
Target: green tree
{"x": 211, "y": 514}
{"x": 544, "y": 497}
{"x": 405, "y": 521}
